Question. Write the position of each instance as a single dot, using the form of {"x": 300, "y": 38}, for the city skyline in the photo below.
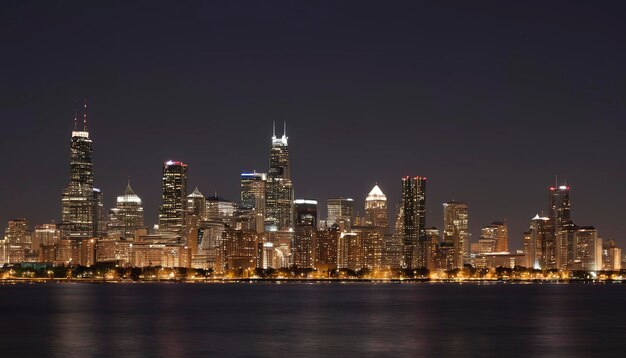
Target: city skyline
{"x": 418, "y": 94}
{"x": 81, "y": 170}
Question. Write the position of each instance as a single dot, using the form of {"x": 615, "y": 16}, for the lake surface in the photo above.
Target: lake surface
{"x": 304, "y": 320}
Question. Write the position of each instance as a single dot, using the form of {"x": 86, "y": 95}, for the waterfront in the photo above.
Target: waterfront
{"x": 323, "y": 319}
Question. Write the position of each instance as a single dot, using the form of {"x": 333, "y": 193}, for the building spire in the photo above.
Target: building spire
{"x": 85, "y": 115}
{"x": 273, "y": 129}
{"x": 75, "y": 119}
{"x": 284, "y": 128}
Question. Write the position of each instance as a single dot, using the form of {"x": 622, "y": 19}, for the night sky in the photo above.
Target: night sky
{"x": 487, "y": 100}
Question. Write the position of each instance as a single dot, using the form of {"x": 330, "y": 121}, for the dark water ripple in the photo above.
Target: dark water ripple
{"x": 304, "y": 320}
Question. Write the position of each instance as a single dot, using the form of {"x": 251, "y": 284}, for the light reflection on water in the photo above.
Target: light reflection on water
{"x": 182, "y": 320}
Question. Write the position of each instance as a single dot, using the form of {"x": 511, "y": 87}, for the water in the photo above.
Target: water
{"x": 304, "y": 320}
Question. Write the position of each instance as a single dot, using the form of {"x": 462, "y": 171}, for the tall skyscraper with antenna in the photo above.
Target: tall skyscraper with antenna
{"x": 77, "y": 200}
{"x": 279, "y": 190}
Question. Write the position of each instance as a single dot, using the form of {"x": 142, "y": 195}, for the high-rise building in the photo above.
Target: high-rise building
{"x": 540, "y": 250}
{"x": 174, "y": 208}
{"x": 77, "y": 200}
{"x": 414, "y": 222}
{"x": 376, "y": 209}
{"x": 279, "y": 189}
{"x": 494, "y": 238}
{"x": 126, "y": 216}
{"x": 18, "y": 241}
{"x": 340, "y": 211}
{"x": 45, "y": 234}
{"x": 303, "y": 244}
{"x": 588, "y": 249}
{"x": 559, "y": 212}
{"x": 253, "y": 187}
{"x": 326, "y": 249}
{"x": 220, "y": 209}
{"x": 456, "y": 230}
{"x": 196, "y": 204}
{"x": 559, "y": 205}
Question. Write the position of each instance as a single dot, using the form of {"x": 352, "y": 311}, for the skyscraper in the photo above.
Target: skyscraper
{"x": 279, "y": 190}
{"x": 303, "y": 244}
{"x": 253, "y": 188}
{"x": 196, "y": 204}
{"x": 77, "y": 200}
{"x": 414, "y": 222}
{"x": 540, "y": 250}
{"x": 174, "y": 208}
{"x": 340, "y": 211}
{"x": 456, "y": 231}
{"x": 559, "y": 205}
{"x": 376, "y": 209}
{"x": 126, "y": 216}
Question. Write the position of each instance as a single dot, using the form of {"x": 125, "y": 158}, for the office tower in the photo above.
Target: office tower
{"x": 303, "y": 242}
{"x": 253, "y": 186}
{"x": 414, "y": 222}
{"x": 126, "y": 216}
{"x": 376, "y": 209}
{"x": 196, "y": 204}
{"x": 45, "y": 235}
{"x": 326, "y": 249}
{"x": 588, "y": 249}
{"x": 494, "y": 238}
{"x": 279, "y": 189}
{"x": 528, "y": 249}
{"x": 559, "y": 212}
{"x": 566, "y": 245}
{"x": 174, "y": 208}
{"x": 340, "y": 211}
{"x": 541, "y": 247}
{"x": 456, "y": 230}
{"x": 18, "y": 241}
{"x": 99, "y": 215}
{"x": 366, "y": 249}
{"x": 220, "y": 209}
{"x": 239, "y": 251}
{"x": 432, "y": 243}
{"x": 77, "y": 200}
{"x": 559, "y": 205}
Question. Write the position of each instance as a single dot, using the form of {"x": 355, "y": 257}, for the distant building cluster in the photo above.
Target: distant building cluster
{"x": 269, "y": 228}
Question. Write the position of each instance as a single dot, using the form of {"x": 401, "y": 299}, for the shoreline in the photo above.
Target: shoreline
{"x": 10, "y": 281}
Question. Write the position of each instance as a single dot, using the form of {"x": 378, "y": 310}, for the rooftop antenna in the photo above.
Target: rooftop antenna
{"x": 85, "y": 115}
{"x": 75, "y": 119}
{"x": 273, "y": 128}
{"x": 284, "y": 128}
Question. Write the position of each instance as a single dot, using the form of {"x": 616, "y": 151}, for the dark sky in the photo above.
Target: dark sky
{"x": 489, "y": 100}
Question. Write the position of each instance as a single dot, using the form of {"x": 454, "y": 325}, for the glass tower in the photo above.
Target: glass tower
{"x": 279, "y": 190}
{"x": 173, "y": 211}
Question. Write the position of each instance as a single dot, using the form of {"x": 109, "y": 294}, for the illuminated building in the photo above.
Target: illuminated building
{"x": 279, "y": 189}
{"x": 17, "y": 241}
{"x": 305, "y": 231}
{"x": 367, "y": 249}
{"x": 566, "y": 245}
{"x": 126, "y": 216}
{"x": 253, "y": 198}
{"x": 220, "y": 209}
{"x": 115, "y": 251}
{"x": 376, "y": 209}
{"x": 456, "y": 231}
{"x": 559, "y": 205}
{"x": 414, "y": 222}
{"x": 240, "y": 249}
{"x": 432, "y": 242}
{"x": 174, "y": 207}
{"x": 494, "y": 238}
{"x": 588, "y": 249}
{"x": 196, "y": 204}
{"x": 540, "y": 244}
{"x": 340, "y": 211}
{"x": 326, "y": 249}
{"x": 78, "y": 215}
{"x": 45, "y": 235}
